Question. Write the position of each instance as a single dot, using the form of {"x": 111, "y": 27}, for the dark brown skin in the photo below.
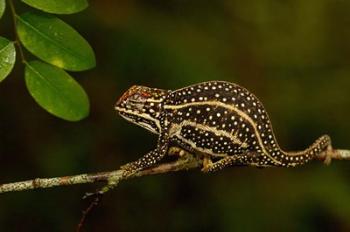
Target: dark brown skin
{"x": 220, "y": 121}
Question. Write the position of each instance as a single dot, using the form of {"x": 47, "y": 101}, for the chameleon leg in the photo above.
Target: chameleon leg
{"x": 207, "y": 163}
{"x": 208, "y": 166}
{"x": 150, "y": 159}
{"x": 146, "y": 161}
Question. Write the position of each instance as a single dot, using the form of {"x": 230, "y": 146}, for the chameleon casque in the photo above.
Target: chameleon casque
{"x": 221, "y": 122}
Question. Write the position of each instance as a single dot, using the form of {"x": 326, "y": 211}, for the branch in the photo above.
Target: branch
{"x": 336, "y": 154}
{"x": 185, "y": 162}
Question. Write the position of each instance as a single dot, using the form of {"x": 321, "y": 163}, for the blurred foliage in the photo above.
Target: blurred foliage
{"x": 294, "y": 55}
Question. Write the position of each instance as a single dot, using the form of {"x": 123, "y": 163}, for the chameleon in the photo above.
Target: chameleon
{"x": 220, "y": 122}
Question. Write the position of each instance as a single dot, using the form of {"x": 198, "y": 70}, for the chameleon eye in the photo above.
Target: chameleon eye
{"x": 138, "y": 98}
{"x": 145, "y": 94}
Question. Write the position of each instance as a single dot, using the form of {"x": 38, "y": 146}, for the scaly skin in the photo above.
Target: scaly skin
{"x": 220, "y": 121}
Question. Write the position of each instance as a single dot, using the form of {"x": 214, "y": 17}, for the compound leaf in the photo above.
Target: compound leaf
{"x": 54, "y": 41}
{"x": 56, "y": 91}
{"x": 7, "y": 57}
{"x": 58, "y": 6}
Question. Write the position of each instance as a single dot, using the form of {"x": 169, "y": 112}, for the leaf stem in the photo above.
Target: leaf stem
{"x": 14, "y": 23}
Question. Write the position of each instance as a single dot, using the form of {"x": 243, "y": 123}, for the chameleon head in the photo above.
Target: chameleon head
{"x": 142, "y": 106}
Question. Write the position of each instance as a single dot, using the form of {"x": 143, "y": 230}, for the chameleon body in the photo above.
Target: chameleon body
{"x": 221, "y": 122}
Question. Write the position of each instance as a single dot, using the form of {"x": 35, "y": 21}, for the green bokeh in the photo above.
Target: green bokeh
{"x": 56, "y": 91}
{"x": 294, "y": 55}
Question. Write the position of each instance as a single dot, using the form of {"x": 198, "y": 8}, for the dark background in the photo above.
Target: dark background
{"x": 294, "y": 55}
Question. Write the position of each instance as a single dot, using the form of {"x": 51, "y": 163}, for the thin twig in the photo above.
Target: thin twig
{"x": 85, "y": 213}
{"x": 334, "y": 154}
{"x": 185, "y": 162}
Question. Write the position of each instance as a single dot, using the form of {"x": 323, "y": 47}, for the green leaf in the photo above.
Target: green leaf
{"x": 7, "y": 57}
{"x": 54, "y": 41}
{"x": 2, "y": 7}
{"x": 58, "y": 6}
{"x": 56, "y": 91}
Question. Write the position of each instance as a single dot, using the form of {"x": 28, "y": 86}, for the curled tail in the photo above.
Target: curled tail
{"x": 292, "y": 159}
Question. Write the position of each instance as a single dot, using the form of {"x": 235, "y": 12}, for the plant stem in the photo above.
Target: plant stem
{"x": 14, "y": 23}
{"x": 187, "y": 161}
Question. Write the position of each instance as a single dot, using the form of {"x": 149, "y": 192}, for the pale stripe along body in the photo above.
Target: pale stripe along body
{"x": 217, "y": 120}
